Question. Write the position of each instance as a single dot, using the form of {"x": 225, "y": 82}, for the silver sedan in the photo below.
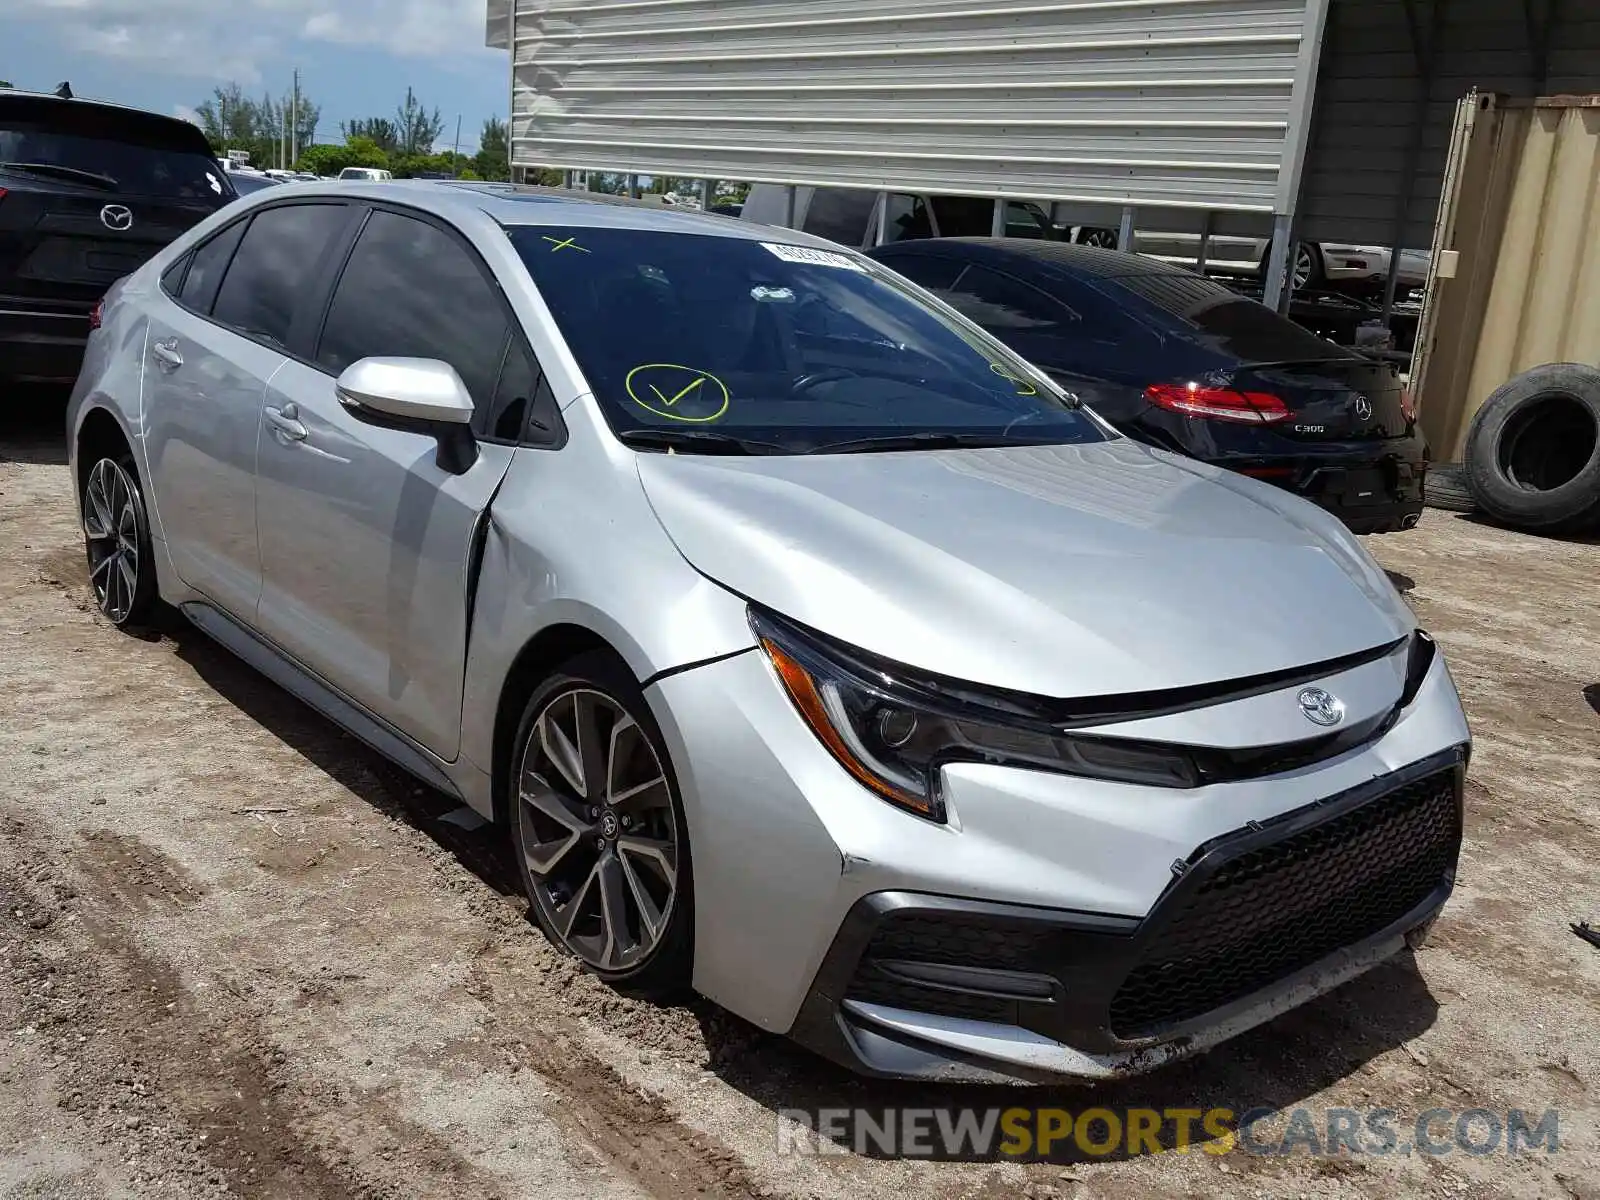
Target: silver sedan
{"x": 815, "y": 652}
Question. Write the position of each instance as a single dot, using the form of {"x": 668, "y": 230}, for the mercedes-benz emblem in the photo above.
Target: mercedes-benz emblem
{"x": 1320, "y": 707}
{"x": 117, "y": 216}
{"x": 1363, "y": 408}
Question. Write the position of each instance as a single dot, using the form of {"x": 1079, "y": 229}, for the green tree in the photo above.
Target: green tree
{"x": 383, "y": 132}
{"x": 493, "y": 158}
{"x": 233, "y": 121}
{"x": 330, "y": 160}
{"x": 6, "y": 83}
{"x": 416, "y": 128}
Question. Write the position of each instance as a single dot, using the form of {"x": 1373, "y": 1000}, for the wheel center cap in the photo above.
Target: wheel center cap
{"x": 608, "y": 825}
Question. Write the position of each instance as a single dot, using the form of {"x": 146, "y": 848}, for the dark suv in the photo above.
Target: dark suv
{"x": 88, "y": 192}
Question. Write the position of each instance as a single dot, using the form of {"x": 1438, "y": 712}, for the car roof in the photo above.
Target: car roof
{"x": 41, "y": 102}
{"x": 1088, "y": 262}
{"x": 513, "y": 205}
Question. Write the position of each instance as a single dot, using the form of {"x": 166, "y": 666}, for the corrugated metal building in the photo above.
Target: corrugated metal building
{"x": 1334, "y": 112}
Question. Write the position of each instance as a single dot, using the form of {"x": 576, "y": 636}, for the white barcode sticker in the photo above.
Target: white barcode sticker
{"x": 814, "y": 258}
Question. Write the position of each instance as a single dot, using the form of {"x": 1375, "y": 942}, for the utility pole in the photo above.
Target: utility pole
{"x": 456, "y": 153}
{"x": 294, "y": 122}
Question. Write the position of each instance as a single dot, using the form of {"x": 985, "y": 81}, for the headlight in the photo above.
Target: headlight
{"x": 892, "y": 728}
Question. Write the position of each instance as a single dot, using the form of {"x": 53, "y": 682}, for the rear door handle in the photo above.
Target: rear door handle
{"x": 284, "y": 423}
{"x": 167, "y": 353}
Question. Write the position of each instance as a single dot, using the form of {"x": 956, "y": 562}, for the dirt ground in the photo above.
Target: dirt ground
{"x": 240, "y": 954}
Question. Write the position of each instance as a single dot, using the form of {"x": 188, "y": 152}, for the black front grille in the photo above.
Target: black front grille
{"x": 1283, "y": 906}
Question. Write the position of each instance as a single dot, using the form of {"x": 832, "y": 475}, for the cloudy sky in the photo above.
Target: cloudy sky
{"x": 356, "y": 57}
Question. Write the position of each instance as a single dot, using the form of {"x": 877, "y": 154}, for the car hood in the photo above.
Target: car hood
{"x": 1056, "y": 570}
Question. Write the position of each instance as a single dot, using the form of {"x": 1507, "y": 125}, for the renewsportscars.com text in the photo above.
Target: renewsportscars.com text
{"x": 1049, "y": 1134}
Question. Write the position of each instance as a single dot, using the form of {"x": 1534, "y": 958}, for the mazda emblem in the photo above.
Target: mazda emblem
{"x": 1363, "y": 408}
{"x": 1320, "y": 707}
{"x": 116, "y": 216}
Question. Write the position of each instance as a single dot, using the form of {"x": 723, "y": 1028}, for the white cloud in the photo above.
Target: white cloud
{"x": 213, "y": 40}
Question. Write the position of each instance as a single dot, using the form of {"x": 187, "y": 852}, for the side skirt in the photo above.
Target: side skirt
{"x": 296, "y": 680}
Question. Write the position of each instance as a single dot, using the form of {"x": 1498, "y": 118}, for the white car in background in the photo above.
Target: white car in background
{"x": 373, "y": 174}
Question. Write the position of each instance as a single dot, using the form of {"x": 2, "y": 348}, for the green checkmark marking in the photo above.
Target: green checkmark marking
{"x": 662, "y": 396}
{"x": 652, "y": 398}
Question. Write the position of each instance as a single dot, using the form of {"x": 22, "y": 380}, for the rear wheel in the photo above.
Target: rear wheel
{"x": 1105, "y": 239}
{"x": 601, "y": 841}
{"x": 116, "y": 535}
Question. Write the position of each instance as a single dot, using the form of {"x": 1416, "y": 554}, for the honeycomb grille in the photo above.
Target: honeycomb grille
{"x": 1283, "y": 907}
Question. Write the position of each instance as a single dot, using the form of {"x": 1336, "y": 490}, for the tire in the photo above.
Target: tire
{"x": 1105, "y": 239}
{"x": 1446, "y": 489}
{"x": 608, "y": 876}
{"x": 1533, "y": 450}
{"x": 116, "y": 539}
{"x": 1305, "y": 270}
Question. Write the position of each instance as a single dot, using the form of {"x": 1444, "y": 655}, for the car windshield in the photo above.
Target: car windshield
{"x": 794, "y": 348}
{"x": 114, "y": 165}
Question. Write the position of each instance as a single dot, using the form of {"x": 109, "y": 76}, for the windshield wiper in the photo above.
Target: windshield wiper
{"x": 698, "y": 441}
{"x": 92, "y": 178}
{"x": 924, "y": 440}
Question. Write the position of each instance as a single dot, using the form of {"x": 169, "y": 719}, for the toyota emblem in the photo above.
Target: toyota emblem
{"x": 1320, "y": 707}
{"x": 1363, "y": 408}
{"x": 117, "y": 216}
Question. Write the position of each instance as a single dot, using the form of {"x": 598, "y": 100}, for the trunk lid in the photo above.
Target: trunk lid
{"x": 91, "y": 191}
{"x": 1332, "y": 399}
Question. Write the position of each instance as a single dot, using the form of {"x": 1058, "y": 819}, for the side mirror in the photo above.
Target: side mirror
{"x": 417, "y": 395}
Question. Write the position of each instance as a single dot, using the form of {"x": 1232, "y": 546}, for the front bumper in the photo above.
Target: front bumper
{"x": 797, "y": 868}
{"x": 1258, "y": 922}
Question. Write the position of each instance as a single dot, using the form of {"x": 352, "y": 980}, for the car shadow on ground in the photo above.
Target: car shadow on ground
{"x": 1275, "y": 1067}
{"x": 33, "y": 424}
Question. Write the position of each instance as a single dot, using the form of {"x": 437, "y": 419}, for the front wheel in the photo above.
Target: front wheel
{"x": 601, "y": 842}
{"x": 116, "y": 536}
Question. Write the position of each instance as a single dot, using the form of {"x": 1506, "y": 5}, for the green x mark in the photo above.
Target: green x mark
{"x": 569, "y": 244}
{"x": 662, "y": 396}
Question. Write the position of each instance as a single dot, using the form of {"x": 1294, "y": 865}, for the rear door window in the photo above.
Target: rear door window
{"x": 1006, "y": 305}
{"x": 282, "y": 251}
{"x": 935, "y": 274}
{"x": 411, "y": 290}
{"x": 206, "y": 267}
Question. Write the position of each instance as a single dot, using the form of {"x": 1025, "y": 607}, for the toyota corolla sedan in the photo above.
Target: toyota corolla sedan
{"x": 813, "y": 650}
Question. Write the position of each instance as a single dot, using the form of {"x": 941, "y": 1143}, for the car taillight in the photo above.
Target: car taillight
{"x": 1220, "y": 404}
{"x": 96, "y": 313}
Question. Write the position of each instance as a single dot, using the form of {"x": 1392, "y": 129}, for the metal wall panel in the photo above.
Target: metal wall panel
{"x": 1381, "y": 129}
{"x": 1171, "y": 103}
{"x": 1524, "y": 223}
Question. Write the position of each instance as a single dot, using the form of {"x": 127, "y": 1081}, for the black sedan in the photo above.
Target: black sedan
{"x": 1184, "y": 363}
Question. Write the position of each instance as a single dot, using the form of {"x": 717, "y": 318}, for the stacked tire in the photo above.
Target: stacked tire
{"x": 1532, "y": 456}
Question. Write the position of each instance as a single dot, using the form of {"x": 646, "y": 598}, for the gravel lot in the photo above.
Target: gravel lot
{"x": 241, "y": 954}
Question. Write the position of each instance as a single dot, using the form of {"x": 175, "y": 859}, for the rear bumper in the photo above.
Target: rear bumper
{"x": 42, "y": 340}
{"x": 932, "y": 987}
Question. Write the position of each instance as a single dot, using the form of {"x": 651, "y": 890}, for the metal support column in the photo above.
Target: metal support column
{"x": 1280, "y": 254}
{"x": 1297, "y": 139}
{"x": 707, "y": 190}
{"x": 633, "y": 185}
{"x": 789, "y": 203}
{"x": 1203, "y": 256}
{"x": 880, "y": 219}
{"x": 997, "y": 223}
{"x": 1125, "y": 231}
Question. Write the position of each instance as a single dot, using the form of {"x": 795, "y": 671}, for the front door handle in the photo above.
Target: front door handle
{"x": 167, "y": 354}
{"x": 284, "y": 423}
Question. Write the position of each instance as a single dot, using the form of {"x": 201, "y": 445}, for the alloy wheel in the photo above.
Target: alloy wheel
{"x": 1105, "y": 239}
{"x": 1304, "y": 266}
{"x": 596, "y": 830}
{"x": 111, "y": 518}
